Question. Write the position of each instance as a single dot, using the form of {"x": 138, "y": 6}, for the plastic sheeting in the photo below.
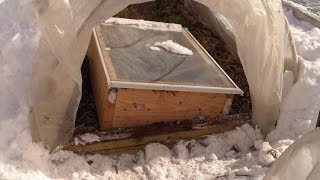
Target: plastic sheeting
{"x": 44, "y": 42}
{"x": 258, "y": 31}
{"x": 300, "y": 161}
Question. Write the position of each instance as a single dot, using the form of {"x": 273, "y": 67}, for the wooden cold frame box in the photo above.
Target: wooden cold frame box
{"x": 135, "y": 86}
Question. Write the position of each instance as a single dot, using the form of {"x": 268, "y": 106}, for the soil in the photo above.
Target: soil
{"x": 170, "y": 11}
{"x": 87, "y": 118}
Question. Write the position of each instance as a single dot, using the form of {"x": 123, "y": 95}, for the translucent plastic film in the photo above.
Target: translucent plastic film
{"x": 300, "y": 161}
{"x": 259, "y": 31}
{"x": 43, "y": 43}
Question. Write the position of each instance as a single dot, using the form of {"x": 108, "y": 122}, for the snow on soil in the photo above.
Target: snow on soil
{"x": 237, "y": 154}
{"x": 171, "y": 46}
{"x": 142, "y": 24}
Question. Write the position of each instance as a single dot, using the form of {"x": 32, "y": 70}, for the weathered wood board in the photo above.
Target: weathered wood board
{"x": 135, "y": 139}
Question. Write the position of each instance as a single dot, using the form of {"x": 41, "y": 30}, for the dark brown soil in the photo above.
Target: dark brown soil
{"x": 171, "y": 11}
{"x": 87, "y": 118}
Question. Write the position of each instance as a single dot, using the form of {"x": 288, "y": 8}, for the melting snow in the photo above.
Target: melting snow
{"x": 171, "y": 46}
{"x": 154, "y": 48}
{"x": 142, "y": 24}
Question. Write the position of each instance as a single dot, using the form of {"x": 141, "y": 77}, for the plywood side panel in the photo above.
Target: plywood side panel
{"x": 136, "y": 107}
{"x": 100, "y": 87}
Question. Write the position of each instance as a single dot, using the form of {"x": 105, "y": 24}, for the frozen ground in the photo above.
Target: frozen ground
{"x": 237, "y": 154}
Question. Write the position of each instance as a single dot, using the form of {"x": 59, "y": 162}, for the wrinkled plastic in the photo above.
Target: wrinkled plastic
{"x": 44, "y": 42}
{"x": 258, "y": 31}
{"x": 300, "y": 161}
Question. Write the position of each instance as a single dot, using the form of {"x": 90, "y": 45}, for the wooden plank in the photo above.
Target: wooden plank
{"x": 174, "y": 87}
{"x": 100, "y": 87}
{"x": 136, "y": 107}
{"x": 116, "y": 151}
{"x": 105, "y": 54}
{"x": 134, "y": 144}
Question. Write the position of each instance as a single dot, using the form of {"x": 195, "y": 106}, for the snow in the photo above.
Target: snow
{"x": 306, "y": 38}
{"x": 238, "y": 154}
{"x": 171, "y": 46}
{"x": 267, "y": 154}
{"x": 86, "y": 138}
{"x": 301, "y": 105}
{"x": 293, "y": 4}
{"x": 142, "y": 24}
{"x": 112, "y": 96}
{"x": 154, "y": 48}
{"x": 299, "y": 109}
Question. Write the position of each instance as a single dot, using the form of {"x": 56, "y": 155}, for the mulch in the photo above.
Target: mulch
{"x": 170, "y": 11}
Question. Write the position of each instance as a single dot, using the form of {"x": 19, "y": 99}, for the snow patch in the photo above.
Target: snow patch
{"x": 240, "y": 139}
{"x": 267, "y": 154}
{"x": 154, "y": 48}
{"x": 306, "y": 38}
{"x": 86, "y": 138}
{"x": 112, "y": 96}
{"x": 258, "y": 143}
{"x": 171, "y": 46}
{"x": 181, "y": 151}
{"x": 300, "y": 108}
{"x": 156, "y": 151}
{"x": 142, "y": 24}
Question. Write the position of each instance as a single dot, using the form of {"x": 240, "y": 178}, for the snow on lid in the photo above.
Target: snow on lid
{"x": 142, "y": 24}
{"x": 154, "y": 48}
{"x": 171, "y": 46}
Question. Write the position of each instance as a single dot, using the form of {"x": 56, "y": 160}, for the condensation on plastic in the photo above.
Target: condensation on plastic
{"x": 44, "y": 42}
{"x": 300, "y": 161}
